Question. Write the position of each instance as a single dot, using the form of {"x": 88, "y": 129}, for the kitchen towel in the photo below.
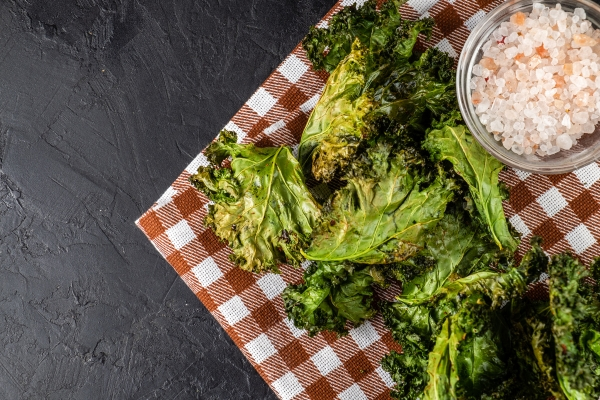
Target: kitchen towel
{"x": 563, "y": 209}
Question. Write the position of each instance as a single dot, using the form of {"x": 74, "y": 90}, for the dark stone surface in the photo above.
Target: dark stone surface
{"x": 102, "y": 105}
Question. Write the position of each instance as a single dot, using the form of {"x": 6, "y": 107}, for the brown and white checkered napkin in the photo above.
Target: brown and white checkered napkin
{"x": 563, "y": 209}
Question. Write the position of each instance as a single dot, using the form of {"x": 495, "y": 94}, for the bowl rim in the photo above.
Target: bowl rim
{"x": 463, "y": 93}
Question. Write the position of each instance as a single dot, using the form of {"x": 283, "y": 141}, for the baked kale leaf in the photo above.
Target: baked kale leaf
{"x": 376, "y": 30}
{"x": 383, "y": 213}
{"x": 377, "y": 86}
{"x": 458, "y": 247}
{"x": 332, "y": 294}
{"x": 409, "y": 370}
{"x": 453, "y": 142}
{"x": 576, "y": 312}
{"x": 337, "y": 124}
{"x": 454, "y": 335}
{"x": 262, "y": 206}
{"x": 468, "y": 356}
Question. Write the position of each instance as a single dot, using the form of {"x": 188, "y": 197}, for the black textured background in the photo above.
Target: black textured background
{"x": 102, "y": 105}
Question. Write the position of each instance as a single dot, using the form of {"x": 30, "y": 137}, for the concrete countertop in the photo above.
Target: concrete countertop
{"x": 102, "y": 104}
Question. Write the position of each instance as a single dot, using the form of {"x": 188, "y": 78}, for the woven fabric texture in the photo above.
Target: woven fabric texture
{"x": 563, "y": 209}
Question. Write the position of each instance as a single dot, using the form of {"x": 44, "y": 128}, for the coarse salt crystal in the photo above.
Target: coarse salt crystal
{"x": 483, "y": 105}
{"x": 579, "y": 12}
{"x": 580, "y": 117}
{"x": 564, "y": 141}
{"x": 554, "y": 150}
{"x": 517, "y": 149}
{"x": 539, "y": 73}
{"x": 518, "y": 107}
{"x": 585, "y": 72}
{"x": 561, "y": 25}
{"x": 579, "y": 81}
{"x": 497, "y": 126}
{"x": 511, "y": 52}
{"x": 518, "y": 18}
{"x": 488, "y": 63}
{"x": 588, "y": 127}
{"x": 522, "y": 75}
{"x": 510, "y": 114}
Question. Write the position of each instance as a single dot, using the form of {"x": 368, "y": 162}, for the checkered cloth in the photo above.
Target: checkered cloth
{"x": 563, "y": 209}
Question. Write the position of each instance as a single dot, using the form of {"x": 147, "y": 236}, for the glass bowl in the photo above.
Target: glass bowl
{"x": 587, "y": 149}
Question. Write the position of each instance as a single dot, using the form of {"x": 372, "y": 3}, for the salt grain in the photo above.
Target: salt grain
{"x": 588, "y": 127}
{"x": 564, "y": 141}
{"x": 535, "y": 88}
{"x": 580, "y": 117}
{"x": 497, "y": 126}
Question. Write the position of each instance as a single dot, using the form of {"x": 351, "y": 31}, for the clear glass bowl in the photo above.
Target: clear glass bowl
{"x": 587, "y": 149}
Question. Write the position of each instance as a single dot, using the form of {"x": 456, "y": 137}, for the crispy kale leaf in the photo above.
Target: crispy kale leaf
{"x": 456, "y": 332}
{"x": 575, "y": 312}
{"x": 326, "y": 47}
{"x": 262, "y": 206}
{"x": 416, "y": 328}
{"x": 384, "y": 212}
{"x": 409, "y": 370}
{"x": 458, "y": 246}
{"x": 498, "y": 287}
{"x": 504, "y": 283}
{"x": 534, "y": 359}
{"x": 377, "y": 31}
{"x": 479, "y": 169}
{"x": 373, "y": 87}
{"x": 332, "y": 294}
{"x": 468, "y": 356}
{"x": 411, "y": 95}
{"x": 555, "y": 343}
{"x": 481, "y": 358}
{"x": 407, "y": 270}
{"x": 452, "y": 342}
{"x": 442, "y": 374}
{"x": 336, "y": 125}
{"x": 535, "y": 261}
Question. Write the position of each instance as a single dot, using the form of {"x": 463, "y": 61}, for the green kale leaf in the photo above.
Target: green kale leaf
{"x": 384, "y": 212}
{"x": 458, "y": 246}
{"x": 468, "y": 357}
{"x": 327, "y": 47}
{"x": 409, "y": 370}
{"x": 480, "y": 170}
{"x": 575, "y": 312}
{"x": 481, "y": 359}
{"x": 373, "y": 88}
{"x": 331, "y": 294}
{"x": 412, "y": 94}
{"x": 532, "y": 342}
{"x": 459, "y": 329}
{"x": 416, "y": 328}
{"x": 443, "y": 375}
{"x": 262, "y": 207}
{"x": 336, "y": 125}
{"x": 376, "y": 30}
{"x": 535, "y": 261}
